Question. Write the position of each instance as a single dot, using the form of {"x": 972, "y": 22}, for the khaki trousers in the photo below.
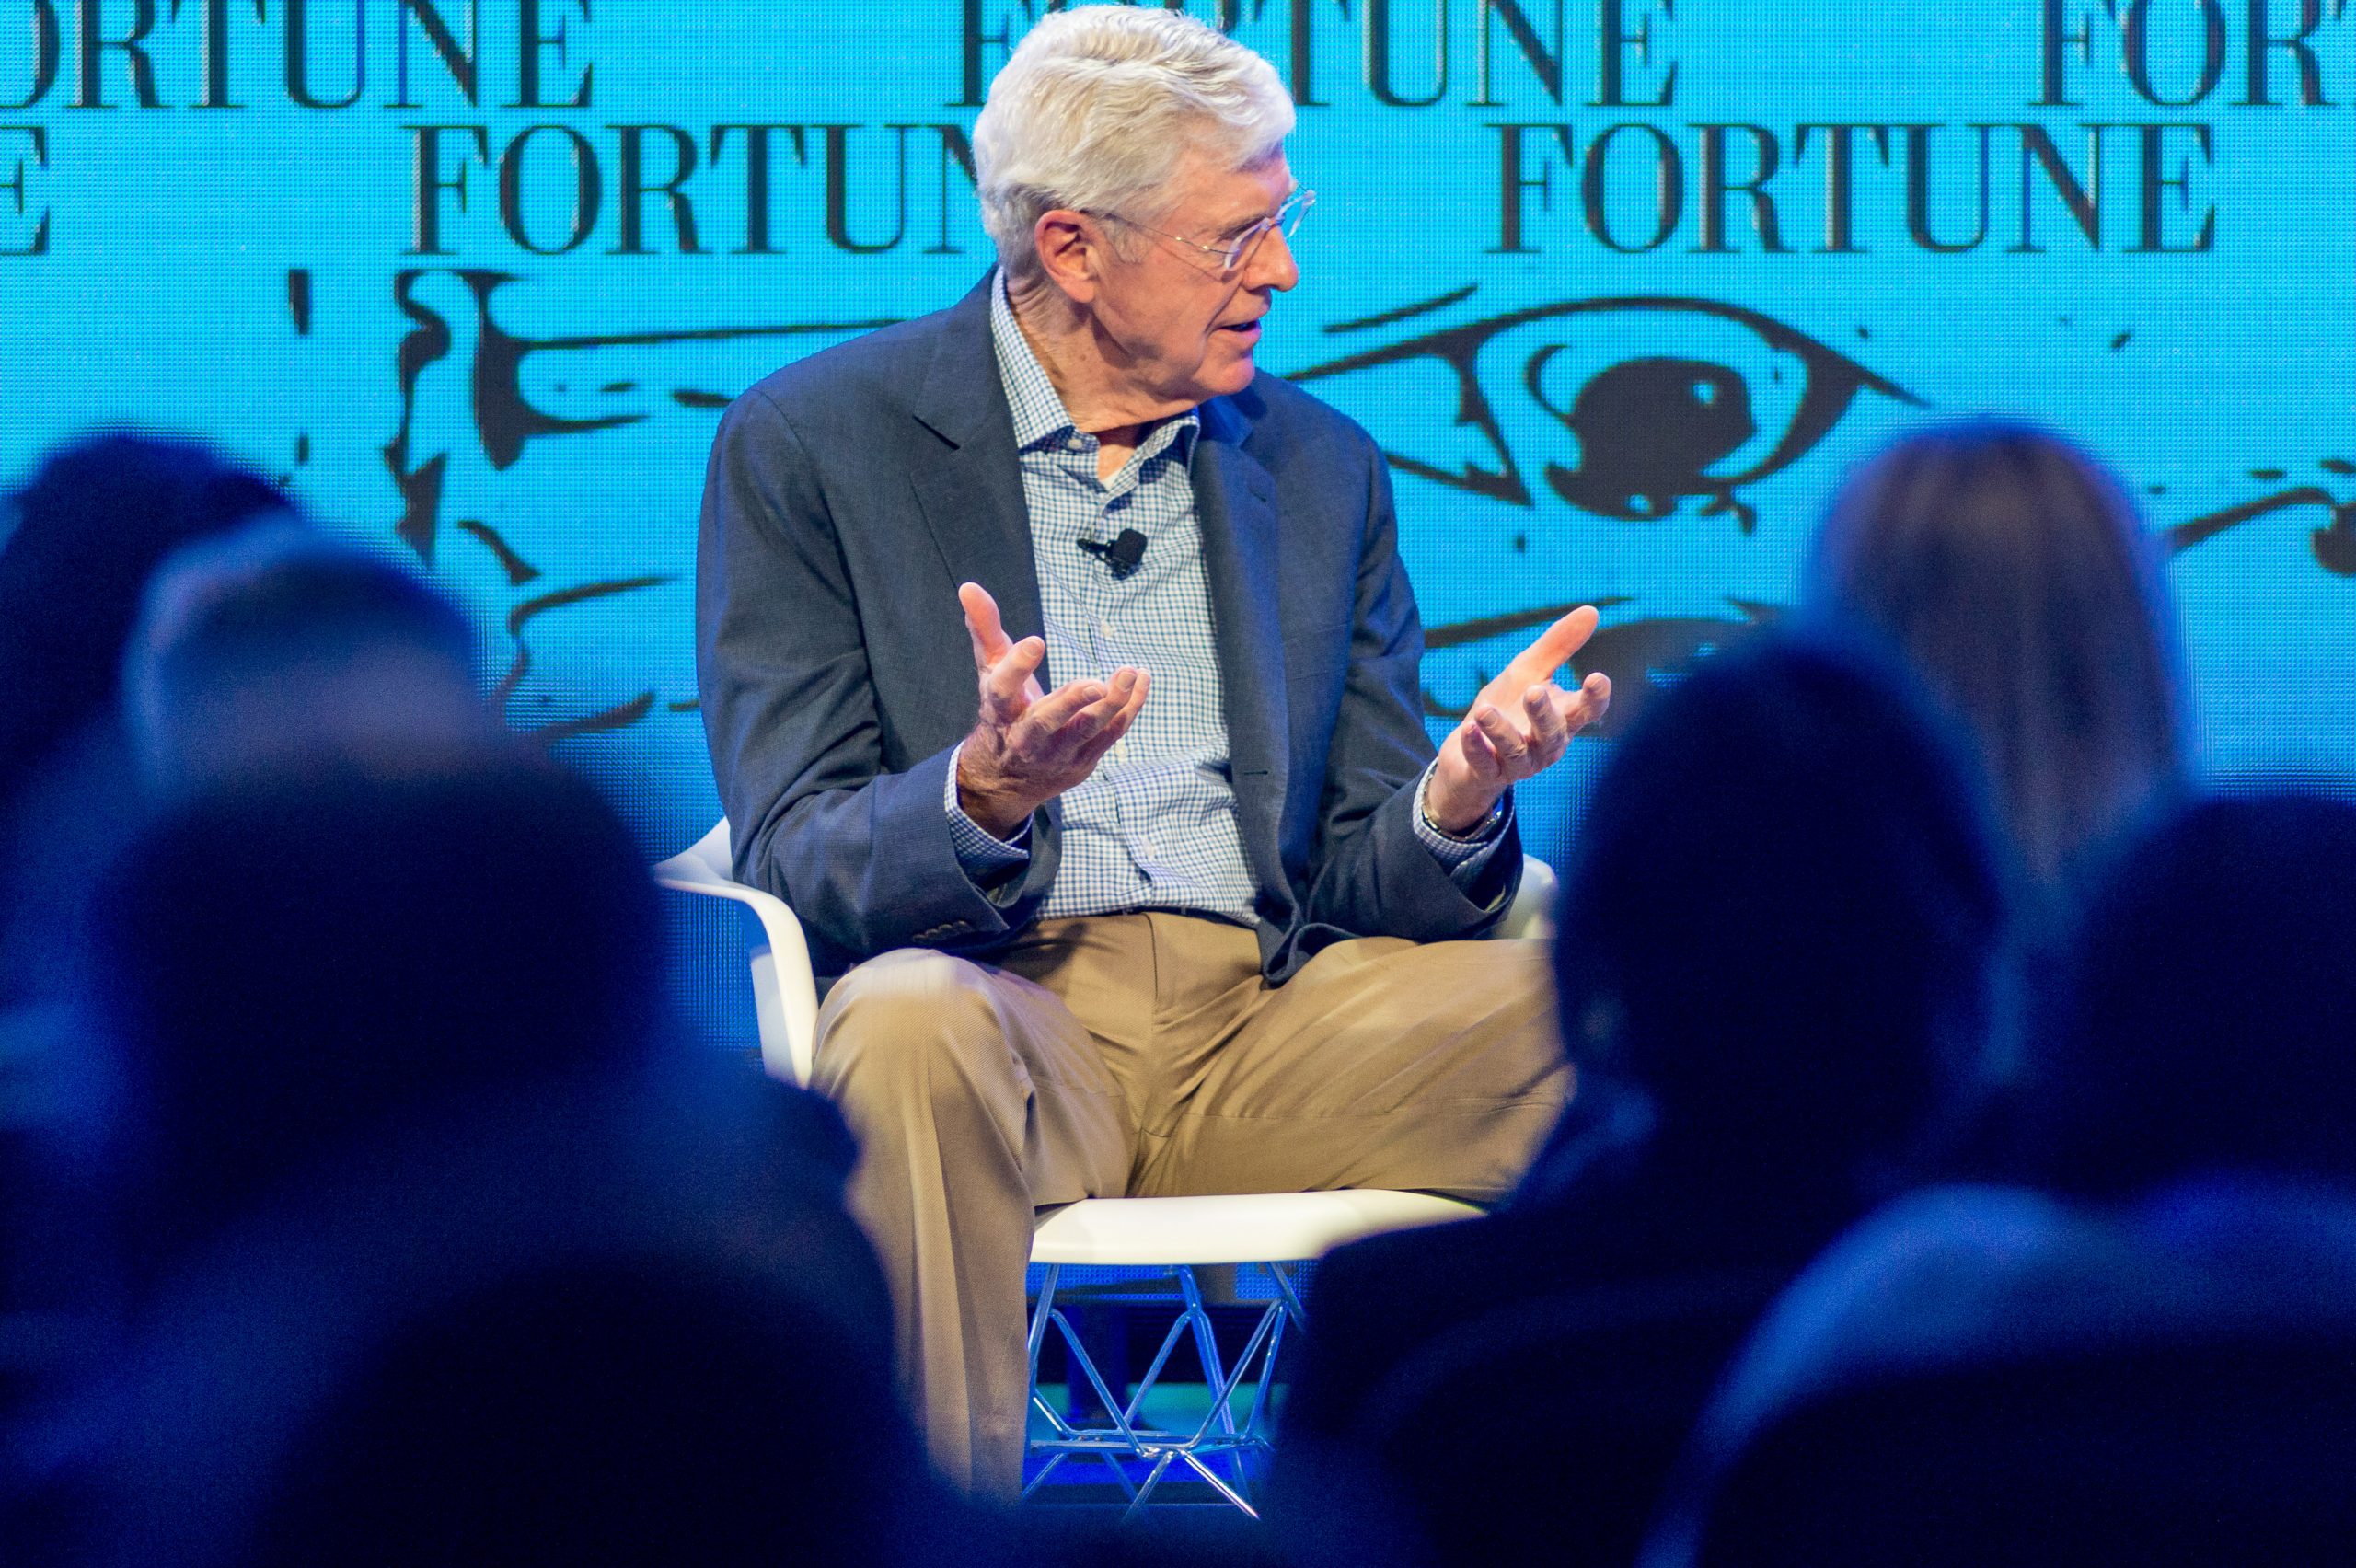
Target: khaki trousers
{"x": 1142, "y": 1055}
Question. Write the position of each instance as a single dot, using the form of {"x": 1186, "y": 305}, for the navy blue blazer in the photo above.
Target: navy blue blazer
{"x": 847, "y": 496}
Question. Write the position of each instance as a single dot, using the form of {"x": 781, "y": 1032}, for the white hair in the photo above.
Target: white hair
{"x": 1096, "y": 106}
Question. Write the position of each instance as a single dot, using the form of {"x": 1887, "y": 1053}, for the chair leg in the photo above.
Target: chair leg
{"x": 1205, "y": 1343}
{"x": 1251, "y": 1438}
{"x": 1217, "y": 1433}
{"x": 1254, "y": 1423}
{"x": 1152, "y": 1479}
{"x": 1291, "y": 1296}
{"x": 1214, "y": 1377}
{"x": 1069, "y": 1439}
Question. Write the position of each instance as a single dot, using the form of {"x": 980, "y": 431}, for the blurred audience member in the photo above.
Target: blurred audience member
{"x": 1774, "y": 963}
{"x": 669, "y": 1413}
{"x": 437, "y": 1236}
{"x": 297, "y": 957}
{"x": 2012, "y": 572}
{"x": 78, "y": 544}
{"x": 82, "y": 539}
{"x": 279, "y": 644}
{"x": 90, "y": 527}
{"x": 2214, "y": 1024}
{"x": 2159, "y": 1363}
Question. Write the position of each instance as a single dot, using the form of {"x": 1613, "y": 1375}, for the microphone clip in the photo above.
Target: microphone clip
{"x": 1120, "y": 556}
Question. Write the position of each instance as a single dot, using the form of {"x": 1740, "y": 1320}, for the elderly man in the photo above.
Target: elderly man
{"x": 1184, "y": 922}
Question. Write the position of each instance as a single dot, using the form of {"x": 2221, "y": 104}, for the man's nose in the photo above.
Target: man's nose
{"x": 1272, "y": 265}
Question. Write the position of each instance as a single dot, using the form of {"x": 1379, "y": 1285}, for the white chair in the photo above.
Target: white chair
{"x": 1172, "y": 1235}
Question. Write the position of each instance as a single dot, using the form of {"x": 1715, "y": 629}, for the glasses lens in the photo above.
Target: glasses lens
{"x": 1285, "y": 220}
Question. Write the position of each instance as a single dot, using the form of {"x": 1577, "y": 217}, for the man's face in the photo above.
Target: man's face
{"x": 1171, "y": 320}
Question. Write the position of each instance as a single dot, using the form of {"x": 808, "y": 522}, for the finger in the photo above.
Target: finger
{"x": 1092, "y": 729}
{"x": 1551, "y": 650}
{"x": 1121, "y": 707}
{"x": 1118, "y": 724}
{"x": 1589, "y": 703}
{"x": 1060, "y": 710}
{"x": 1119, "y": 691}
{"x": 981, "y": 624}
{"x": 1104, "y": 708}
{"x": 1003, "y": 682}
{"x": 1510, "y": 745}
{"x": 1130, "y": 710}
{"x": 1550, "y": 731}
{"x": 1479, "y": 754}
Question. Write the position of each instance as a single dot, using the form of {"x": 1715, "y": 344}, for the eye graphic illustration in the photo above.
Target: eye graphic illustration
{"x": 528, "y": 444}
{"x": 1639, "y": 410}
{"x": 1589, "y": 436}
{"x": 1720, "y": 397}
{"x": 1649, "y": 429}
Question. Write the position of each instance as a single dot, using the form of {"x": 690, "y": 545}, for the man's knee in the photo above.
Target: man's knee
{"x": 1518, "y": 975}
{"x": 1506, "y": 982}
{"x": 1507, "y": 991}
{"x": 903, "y": 1017}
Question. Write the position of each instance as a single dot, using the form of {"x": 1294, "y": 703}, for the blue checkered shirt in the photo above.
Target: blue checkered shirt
{"x": 1154, "y": 826}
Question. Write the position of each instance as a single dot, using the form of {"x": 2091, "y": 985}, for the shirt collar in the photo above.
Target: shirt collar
{"x": 1040, "y": 416}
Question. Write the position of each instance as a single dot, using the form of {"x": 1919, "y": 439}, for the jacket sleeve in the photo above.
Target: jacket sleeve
{"x": 863, "y": 856}
{"x": 1374, "y": 875}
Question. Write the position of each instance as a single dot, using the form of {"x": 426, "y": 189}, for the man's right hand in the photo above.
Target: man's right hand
{"x": 1028, "y": 747}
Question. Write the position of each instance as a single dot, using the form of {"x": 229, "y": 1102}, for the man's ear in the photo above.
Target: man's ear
{"x": 1072, "y": 252}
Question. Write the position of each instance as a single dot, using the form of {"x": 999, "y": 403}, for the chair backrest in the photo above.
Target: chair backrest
{"x": 2232, "y": 1451}
{"x": 708, "y": 856}
{"x": 1532, "y": 911}
{"x": 785, "y": 994}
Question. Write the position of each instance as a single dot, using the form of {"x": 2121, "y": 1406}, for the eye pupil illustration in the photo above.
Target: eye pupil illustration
{"x": 1648, "y": 429}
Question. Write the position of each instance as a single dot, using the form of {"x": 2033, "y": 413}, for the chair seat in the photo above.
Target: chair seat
{"x": 1253, "y": 1227}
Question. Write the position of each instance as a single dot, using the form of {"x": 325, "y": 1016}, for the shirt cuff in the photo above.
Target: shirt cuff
{"x": 985, "y": 858}
{"x": 1462, "y": 858}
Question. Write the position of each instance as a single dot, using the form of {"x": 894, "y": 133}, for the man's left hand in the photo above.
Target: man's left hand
{"x": 1520, "y": 726}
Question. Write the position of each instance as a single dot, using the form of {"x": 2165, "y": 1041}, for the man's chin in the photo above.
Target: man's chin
{"x": 1229, "y": 377}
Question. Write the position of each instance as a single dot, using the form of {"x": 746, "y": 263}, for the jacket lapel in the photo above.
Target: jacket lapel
{"x": 968, "y": 479}
{"x": 1235, "y": 503}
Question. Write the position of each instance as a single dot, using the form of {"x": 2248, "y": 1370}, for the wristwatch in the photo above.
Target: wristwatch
{"x": 1479, "y": 831}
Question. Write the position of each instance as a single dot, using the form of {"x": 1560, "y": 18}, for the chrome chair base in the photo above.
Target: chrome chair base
{"x": 1219, "y": 1441}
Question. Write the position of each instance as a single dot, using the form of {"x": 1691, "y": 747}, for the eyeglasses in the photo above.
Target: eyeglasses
{"x": 1285, "y": 220}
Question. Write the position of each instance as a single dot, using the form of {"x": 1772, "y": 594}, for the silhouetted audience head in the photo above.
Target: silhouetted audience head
{"x": 279, "y": 643}
{"x": 2015, "y": 575}
{"x": 1778, "y": 932}
{"x": 90, "y": 526}
{"x": 2215, "y": 1020}
{"x": 289, "y": 960}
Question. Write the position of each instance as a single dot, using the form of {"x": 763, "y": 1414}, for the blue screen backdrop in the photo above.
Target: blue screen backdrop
{"x": 1623, "y": 286}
